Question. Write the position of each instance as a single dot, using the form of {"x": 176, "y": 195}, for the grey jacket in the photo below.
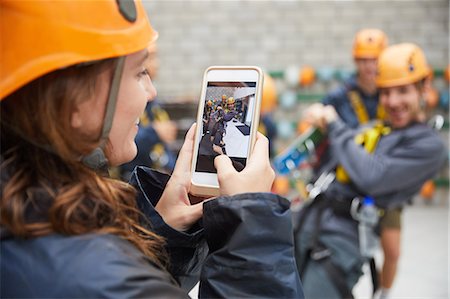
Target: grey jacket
{"x": 402, "y": 161}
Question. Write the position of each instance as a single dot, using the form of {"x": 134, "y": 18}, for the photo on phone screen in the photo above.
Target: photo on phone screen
{"x": 226, "y": 124}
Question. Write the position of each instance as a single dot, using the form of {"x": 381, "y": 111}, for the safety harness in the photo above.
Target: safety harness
{"x": 360, "y": 110}
{"x": 369, "y": 140}
{"x": 317, "y": 251}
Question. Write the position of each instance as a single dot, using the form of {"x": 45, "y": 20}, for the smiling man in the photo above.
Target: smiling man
{"x": 388, "y": 162}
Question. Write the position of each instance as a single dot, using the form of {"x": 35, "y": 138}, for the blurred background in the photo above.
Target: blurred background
{"x": 277, "y": 34}
{"x": 306, "y": 47}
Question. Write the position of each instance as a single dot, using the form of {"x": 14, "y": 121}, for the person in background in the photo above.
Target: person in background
{"x": 357, "y": 103}
{"x": 70, "y": 109}
{"x": 385, "y": 164}
{"x": 356, "y": 100}
{"x": 269, "y": 102}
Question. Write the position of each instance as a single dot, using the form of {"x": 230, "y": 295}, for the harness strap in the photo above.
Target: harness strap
{"x": 160, "y": 114}
{"x": 302, "y": 264}
{"x": 369, "y": 139}
{"x": 360, "y": 109}
{"x": 374, "y": 276}
{"x": 318, "y": 252}
{"x": 337, "y": 276}
{"x": 381, "y": 113}
{"x": 358, "y": 106}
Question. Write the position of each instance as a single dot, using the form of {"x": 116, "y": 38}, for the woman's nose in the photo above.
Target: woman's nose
{"x": 151, "y": 90}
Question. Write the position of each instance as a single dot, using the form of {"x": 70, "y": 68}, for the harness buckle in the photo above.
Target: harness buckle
{"x": 320, "y": 254}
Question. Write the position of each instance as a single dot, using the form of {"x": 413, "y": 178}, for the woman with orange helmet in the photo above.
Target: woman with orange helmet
{"x": 372, "y": 169}
{"x": 73, "y": 84}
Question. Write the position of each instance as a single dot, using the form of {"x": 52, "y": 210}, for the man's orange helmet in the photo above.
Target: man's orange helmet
{"x": 369, "y": 43}
{"x": 38, "y": 37}
{"x": 401, "y": 64}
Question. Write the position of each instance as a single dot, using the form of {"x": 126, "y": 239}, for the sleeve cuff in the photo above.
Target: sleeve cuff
{"x": 150, "y": 185}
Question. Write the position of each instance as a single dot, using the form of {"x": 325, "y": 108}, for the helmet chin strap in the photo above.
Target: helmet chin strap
{"x": 96, "y": 159}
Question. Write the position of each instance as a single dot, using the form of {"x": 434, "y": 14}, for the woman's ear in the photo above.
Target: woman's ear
{"x": 76, "y": 119}
{"x": 83, "y": 115}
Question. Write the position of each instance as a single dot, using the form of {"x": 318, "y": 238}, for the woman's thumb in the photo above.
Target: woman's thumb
{"x": 224, "y": 166}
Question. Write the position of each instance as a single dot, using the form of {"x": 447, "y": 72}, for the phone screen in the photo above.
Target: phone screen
{"x": 226, "y": 124}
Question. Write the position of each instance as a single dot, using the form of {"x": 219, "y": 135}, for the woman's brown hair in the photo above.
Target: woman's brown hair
{"x": 45, "y": 188}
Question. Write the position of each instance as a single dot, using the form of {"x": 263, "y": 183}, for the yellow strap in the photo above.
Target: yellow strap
{"x": 158, "y": 149}
{"x": 160, "y": 114}
{"x": 262, "y": 129}
{"x": 381, "y": 113}
{"x": 144, "y": 120}
{"x": 358, "y": 107}
{"x": 369, "y": 139}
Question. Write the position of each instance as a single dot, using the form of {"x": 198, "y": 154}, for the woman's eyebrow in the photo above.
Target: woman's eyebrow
{"x": 141, "y": 60}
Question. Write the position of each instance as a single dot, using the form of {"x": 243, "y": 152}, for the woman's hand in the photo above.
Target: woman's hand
{"x": 174, "y": 206}
{"x": 320, "y": 115}
{"x": 257, "y": 176}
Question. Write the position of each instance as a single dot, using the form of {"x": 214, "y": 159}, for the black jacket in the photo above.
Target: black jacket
{"x": 250, "y": 255}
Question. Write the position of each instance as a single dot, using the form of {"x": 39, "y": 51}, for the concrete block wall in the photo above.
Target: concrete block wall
{"x": 279, "y": 34}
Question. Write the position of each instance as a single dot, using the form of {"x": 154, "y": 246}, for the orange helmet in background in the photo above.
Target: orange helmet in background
{"x": 39, "y": 37}
{"x": 369, "y": 43}
{"x": 432, "y": 98}
{"x": 269, "y": 94}
{"x": 401, "y": 64}
{"x": 307, "y": 76}
{"x": 428, "y": 190}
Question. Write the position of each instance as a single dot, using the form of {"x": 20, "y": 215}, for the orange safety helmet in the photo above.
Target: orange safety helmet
{"x": 401, "y": 64}
{"x": 369, "y": 43}
{"x": 307, "y": 76}
{"x": 39, "y": 37}
{"x": 269, "y": 94}
{"x": 428, "y": 189}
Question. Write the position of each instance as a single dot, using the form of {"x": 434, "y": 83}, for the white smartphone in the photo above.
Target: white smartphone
{"x": 227, "y": 122}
